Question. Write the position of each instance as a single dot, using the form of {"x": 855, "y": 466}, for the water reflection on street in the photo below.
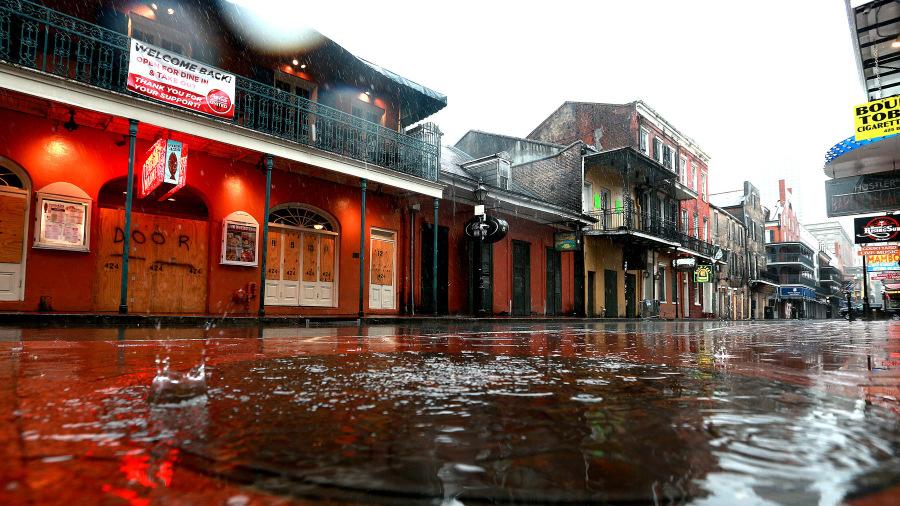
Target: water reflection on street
{"x": 794, "y": 412}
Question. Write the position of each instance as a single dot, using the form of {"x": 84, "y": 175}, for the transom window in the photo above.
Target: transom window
{"x": 10, "y": 179}
{"x": 301, "y": 217}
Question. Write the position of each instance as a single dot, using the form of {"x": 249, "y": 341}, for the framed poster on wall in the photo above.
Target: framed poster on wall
{"x": 63, "y": 223}
{"x": 240, "y": 240}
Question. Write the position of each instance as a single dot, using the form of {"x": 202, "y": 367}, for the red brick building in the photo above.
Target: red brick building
{"x": 686, "y": 208}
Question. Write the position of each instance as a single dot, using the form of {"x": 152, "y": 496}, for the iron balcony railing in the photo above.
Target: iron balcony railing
{"x": 830, "y": 276}
{"x": 39, "y": 38}
{"x": 697, "y": 245}
{"x": 627, "y": 219}
{"x": 796, "y": 279}
{"x": 789, "y": 258}
{"x": 768, "y": 276}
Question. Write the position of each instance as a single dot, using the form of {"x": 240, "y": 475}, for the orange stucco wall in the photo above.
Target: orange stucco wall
{"x": 89, "y": 158}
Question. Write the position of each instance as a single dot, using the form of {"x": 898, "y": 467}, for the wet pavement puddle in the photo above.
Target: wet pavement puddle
{"x": 708, "y": 413}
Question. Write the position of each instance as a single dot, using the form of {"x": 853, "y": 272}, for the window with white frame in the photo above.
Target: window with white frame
{"x": 703, "y": 186}
{"x": 503, "y": 176}
{"x": 682, "y": 170}
{"x": 657, "y": 149}
{"x": 667, "y": 157}
{"x": 587, "y": 197}
{"x": 696, "y": 225}
{"x": 684, "y": 221}
{"x": 706, "y": 229}
{"x": 698, "y": 292}
{"x": 693, "y": 176}
{"x": 644, "y": 142}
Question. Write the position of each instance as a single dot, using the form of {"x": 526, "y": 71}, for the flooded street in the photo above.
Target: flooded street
{"x": 700, "y": 412}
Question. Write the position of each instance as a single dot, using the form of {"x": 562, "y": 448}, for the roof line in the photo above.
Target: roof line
{"x": 563, "y": 150}
{"x": 526, "y": 139}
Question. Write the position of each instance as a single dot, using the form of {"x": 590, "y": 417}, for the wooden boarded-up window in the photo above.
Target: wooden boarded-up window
{"x": 310, "y": 257}
{"x": 382, "y": 262}
{"x": 12, "y": 216}
{"x": 326, "y": 264}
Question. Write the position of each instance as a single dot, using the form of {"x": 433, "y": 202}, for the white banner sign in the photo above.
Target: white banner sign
{"x": 169, "y": 77}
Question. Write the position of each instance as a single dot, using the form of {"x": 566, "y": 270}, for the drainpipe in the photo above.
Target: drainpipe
{"x": 362, "y": 246}
{"x": 434, "y": 259}
{"x": 265, "y": 238}
{"x": 129, "y": 196}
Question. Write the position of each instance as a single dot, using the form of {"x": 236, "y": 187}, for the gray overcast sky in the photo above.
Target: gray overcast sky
{"x": 764, "y": 87}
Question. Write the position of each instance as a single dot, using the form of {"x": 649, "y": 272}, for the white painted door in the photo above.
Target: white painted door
{"x": 382, "y": 269}
{"x": 13, "y": 208}
{"x": 317, "y": 277}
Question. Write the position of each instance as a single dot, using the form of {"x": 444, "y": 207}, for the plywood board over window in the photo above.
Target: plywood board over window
{"x": 167, "y": 263}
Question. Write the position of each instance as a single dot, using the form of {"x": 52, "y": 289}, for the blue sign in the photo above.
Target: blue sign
{"x": 796, "y": 292}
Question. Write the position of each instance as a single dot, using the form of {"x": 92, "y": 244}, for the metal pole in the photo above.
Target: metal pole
{"x": 362, "y": 246}
{"x": 412, "y": 263}
{"x": 865, "y": 281}
{"x": 126, "y": 234}
{"x": 265, "y": 239}
{"x": 434, "y": 259}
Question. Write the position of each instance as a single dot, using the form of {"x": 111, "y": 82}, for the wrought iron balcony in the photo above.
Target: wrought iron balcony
{"x": 796, "y": 279}
{"x": 789, "y": 258}
{"x": 830, "y": 275}
{"x": 768, "y": 276}
{"x": 627, "y": 219}
{"x": 696, "y": 245}
{"x": 42, "y": 39}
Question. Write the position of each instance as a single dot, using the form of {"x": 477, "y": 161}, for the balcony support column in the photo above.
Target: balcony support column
{"x": 362, "y": 247}
{"x": 265, "y": 238}
{"x": 434, "y": 257}
{"x": 126, "y": 234}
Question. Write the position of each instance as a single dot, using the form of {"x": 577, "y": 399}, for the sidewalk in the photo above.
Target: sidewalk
{"x": 198, "y": 320}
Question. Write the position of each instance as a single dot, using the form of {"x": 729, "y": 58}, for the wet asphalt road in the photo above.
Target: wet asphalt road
{"x": 801, "y": 412}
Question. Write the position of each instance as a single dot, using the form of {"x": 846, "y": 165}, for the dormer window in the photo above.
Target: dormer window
{"x": 503, "y": 175}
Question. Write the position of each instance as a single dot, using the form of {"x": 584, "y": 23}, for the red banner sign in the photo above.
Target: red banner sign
{"x": 886, "y": 276}
{"x": 165, "y": 169}
{"x": 169, "y": 77}
{"x": 881, "y": 249}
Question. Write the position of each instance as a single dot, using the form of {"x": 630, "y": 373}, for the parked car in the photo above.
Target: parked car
{"x": 857, "y": 311}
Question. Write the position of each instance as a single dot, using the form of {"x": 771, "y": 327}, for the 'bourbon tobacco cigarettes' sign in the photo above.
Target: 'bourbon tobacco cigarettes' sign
{"x": 171, "y": 78}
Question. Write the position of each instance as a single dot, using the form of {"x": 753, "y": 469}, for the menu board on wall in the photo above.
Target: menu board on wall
{"x": 239, "y": 243}
{"x": 62, "y": 224}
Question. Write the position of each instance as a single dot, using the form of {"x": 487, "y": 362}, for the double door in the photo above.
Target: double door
{"x": 300, "y": 268}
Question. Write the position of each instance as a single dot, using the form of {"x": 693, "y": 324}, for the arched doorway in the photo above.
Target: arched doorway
{"x": 168, "y": 261}
{"x": 15, "y": 189}
{"x": 302, "y": 267}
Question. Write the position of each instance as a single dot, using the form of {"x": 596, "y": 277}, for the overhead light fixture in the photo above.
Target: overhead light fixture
{"x": 71, "y": 125}
{"x": 171, "y": 199}
{"x": 318, "y": 226}
{"x": 295, "y": 62}
{"x": 896, "y": 43}
{"x": 303, "y": 66}
{"x": 170, "y": 11}
{"x": 154, "y": 6}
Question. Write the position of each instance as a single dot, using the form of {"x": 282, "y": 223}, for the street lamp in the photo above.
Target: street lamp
{"x": 480, "y": 193}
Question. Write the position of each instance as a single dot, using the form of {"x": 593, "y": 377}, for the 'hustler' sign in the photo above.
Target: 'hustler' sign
{"x": 169, "y": 77}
